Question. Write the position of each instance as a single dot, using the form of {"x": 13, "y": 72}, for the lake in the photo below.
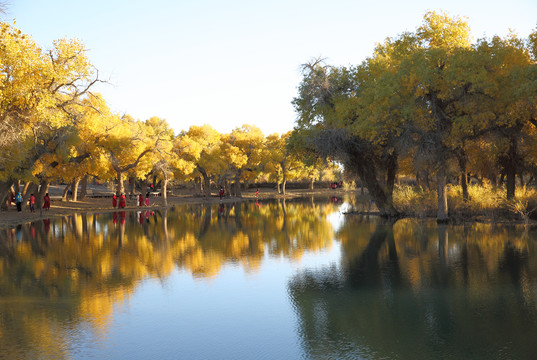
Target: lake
{"x": 295, "y": 279}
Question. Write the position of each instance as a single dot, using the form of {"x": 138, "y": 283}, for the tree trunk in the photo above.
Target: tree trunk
{"x": 120, "y": 185}
{"x": 442, "y": 215}
{"x": 84, "y": 187}
{"x": 206, "y": 182}
{"x": 145, "y": 184}
{"x": 510, "y": 170}
{"x": 164, "y": 189}
{"x": 426, "y": 179}
{"x": 132, "y": 184}
{"x": 461, "y": 157}
{"x": 74, "y": 188}
{"x": 64, "y": 194}
{"x": 391, "y": 175}
{"x": 491, "y": 175}
{"x": 238, "y": 192}
{"x": 207, "y": 186}
{"x": 42, "y": 191}
{"x": 366, "y": 169}
{"x": 25, "y": 188}
{"x": 199, "y": 185}
{"x": 5, "y": 187}
{"x": 464, "y": 186}
{"x": 311, "y": 184}
{"x": 278, "y": 187}
{"x": 284, "y": 182}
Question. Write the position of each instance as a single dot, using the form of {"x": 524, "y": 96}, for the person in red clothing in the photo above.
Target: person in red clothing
{"x": 140, "y": 200}
{"x": 122, "y": 201}
{"x": 147, "y": 199}
{"x": 46, "y": 202}
{"x": 31, "y": 202}
{"x": 114, "y": 201}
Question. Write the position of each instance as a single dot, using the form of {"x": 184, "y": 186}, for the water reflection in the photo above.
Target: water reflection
{"x": 60, "y": 276}
{"x": 399, "y": 290}
{"x": 412, "y": 290}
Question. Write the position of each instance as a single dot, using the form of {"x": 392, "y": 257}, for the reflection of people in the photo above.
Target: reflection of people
{"x": 46, "y": 224}
{"x": 114, "y": 218}
{"x": 18, "y": 233}
{"x": 46, "y": 202}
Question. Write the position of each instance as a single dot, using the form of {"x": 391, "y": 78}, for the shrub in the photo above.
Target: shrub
{"x": 484, "y": 201}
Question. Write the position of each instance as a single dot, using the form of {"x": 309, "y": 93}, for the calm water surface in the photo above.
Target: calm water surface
{"x": 272, "y": 280}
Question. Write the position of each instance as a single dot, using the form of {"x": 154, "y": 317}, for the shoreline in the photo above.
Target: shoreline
{"x": 11, "y": 218}
{"x": 58, "y": 208}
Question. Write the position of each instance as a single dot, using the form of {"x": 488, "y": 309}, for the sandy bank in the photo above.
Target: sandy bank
{"x": 12, "y": 218}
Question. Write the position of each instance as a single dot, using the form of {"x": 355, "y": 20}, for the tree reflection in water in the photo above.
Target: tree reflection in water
{"x": 413, "y": 290}
{"x": 57, "y": 276}
{"x": 407, "y": 290}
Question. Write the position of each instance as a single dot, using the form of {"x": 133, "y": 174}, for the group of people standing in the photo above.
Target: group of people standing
{"x": 141, "y": 201}
{"x": 123, "y": 201}
{"x": 17, "y": 199}
{"x": 335, "y": 184}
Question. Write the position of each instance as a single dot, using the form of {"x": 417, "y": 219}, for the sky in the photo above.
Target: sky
{"x": 229, "y": 63}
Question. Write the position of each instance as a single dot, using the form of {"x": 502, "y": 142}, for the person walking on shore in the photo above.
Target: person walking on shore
{"x": 140, "y": 200}
{"x": 46, "y": 202}
{"x": 122, "y": 201}
{"x": 147, "y": 199}
{"x": 18, "y": 201}
{"x": 31, "y": 202}
{"x": 114, "y": 201}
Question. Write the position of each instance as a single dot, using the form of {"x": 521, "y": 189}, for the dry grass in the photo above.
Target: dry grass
{"x": 488, "y": 201}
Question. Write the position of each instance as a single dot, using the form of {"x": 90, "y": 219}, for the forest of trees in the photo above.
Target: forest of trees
{"x": 55, "y": 129}
{"x": 430, "y": 105}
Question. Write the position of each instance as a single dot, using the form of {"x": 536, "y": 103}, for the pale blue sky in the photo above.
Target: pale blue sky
{"x": 227, "y": 63}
